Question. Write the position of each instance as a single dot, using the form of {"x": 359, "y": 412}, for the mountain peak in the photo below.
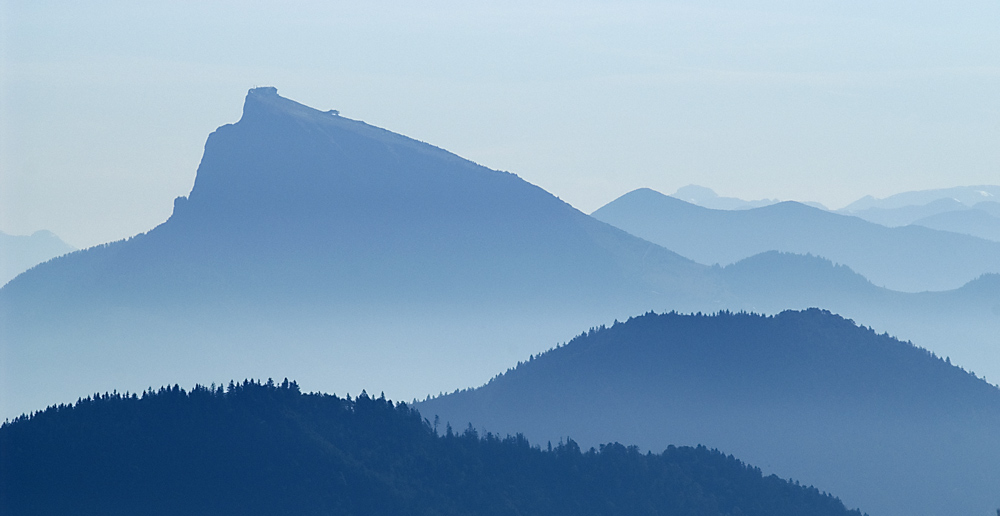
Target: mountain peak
{"x": 695, "y": 194}
{"x": 263, "y": 91}
{"x": 263, "y": 101}
{"x": 285, "y": 154}
{"x": 707, "y": 198}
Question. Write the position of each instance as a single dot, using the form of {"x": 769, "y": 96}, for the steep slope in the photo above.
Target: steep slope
{"x": 19, "y": 253}
{"x": 267, "y": 449}
{"x": 886, "y": 425}
{"x": 910, "y": 259}
{"x": 333, "y": 203}
{"x": 366, "y": 246}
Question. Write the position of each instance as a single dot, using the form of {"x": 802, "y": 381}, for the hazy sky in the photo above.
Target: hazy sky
{"x": 105, "y": 106}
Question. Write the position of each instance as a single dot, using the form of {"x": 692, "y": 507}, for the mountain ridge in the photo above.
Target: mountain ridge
{"x": 807, "y": 394}
{"x": 284, "y": 452}
{"x": 307, "y": 249}
{"x": 966, "y": 195}
{"x": 18, "y": 253}
{"x": 305, "y": 222}
{"x": 908, "y": 259}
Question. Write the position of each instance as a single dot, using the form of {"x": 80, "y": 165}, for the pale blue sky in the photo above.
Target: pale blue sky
{"x": 105, "y": 106}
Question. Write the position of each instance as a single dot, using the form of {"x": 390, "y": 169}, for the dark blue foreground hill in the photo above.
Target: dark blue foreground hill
{"x": 808, "y": 395}
{"x": 268, "y": 449}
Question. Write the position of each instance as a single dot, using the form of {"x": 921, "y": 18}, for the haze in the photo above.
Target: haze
{"x": 822, "y": 102}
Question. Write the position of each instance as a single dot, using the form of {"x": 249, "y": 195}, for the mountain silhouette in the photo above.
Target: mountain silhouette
{"x": 19, "y": 253}
{"x": 809, "y": 395}
{"x": 910, "y": 259}
{"x": 960, "y": 323}
{"x": 262, "y": 448}
{"x": 314, "y": 243}
{"x": 291, "y": 200}
{"x": 906, "y": 215}
{"x": 966, "y": 195}
{"x": 706, "y": 197}
{"x": 321, "y": 248}
{"x": 966, "y": 213}
{"x": 982, "y": 220}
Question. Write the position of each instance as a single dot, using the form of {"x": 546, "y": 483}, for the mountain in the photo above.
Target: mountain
{"x": 19, "y": 253}
{"x": 296, "y": 199}
{"x": 805, "y": 394}
{"x": 908, "y": 259}
{"x": 906, "y": 215}
{"x": 321, "y": 248}
{"x": 967, "y": 213}
{"x": 991, "y": 207}
{"x": 312, "y": 244}
{"x": 982, "y": 220}
{"x": 706, "y": 197}
{"x": 961, "y": 323}
{"x": 268, "y": 449}
{"x": 966, "y": 195}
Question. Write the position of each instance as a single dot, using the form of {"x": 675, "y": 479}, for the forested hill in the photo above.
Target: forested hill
{"x": 269, "y": 449}
{"x": 809, "y": 395}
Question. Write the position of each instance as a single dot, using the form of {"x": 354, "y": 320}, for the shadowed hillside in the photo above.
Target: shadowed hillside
{"x": 268, "y": 449}
{"x": 886, "y": 425}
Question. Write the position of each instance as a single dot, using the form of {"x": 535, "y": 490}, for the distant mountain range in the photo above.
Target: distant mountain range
{"x": 266, "y": 449}
{"x": 707, "y": 198}
{"x": 19, "y": 253}
{"x": 981, "y": 220}
{"x": 809, "y": 395}
{"x": 908, "y": 259}
{"x": 965, "y": 195}
{"x": 906, "y": 215}
{"x": 321, "y": 248}
{"x": 969, "y": 210}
